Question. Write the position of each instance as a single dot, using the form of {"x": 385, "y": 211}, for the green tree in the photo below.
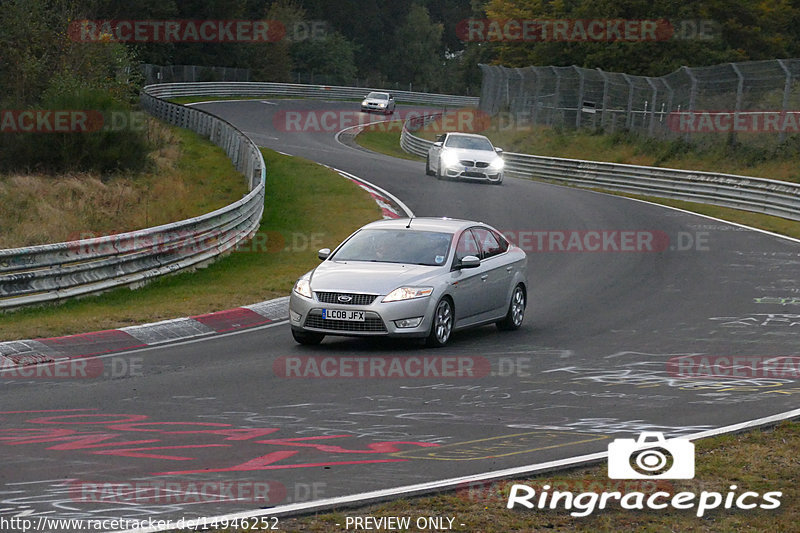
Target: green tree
{"x": 744, "y": 30}
{"x": 330, "y": 60}
{"x": 417, "y": 57}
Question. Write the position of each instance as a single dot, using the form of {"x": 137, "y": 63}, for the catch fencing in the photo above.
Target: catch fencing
{"x": 746, "y": 99}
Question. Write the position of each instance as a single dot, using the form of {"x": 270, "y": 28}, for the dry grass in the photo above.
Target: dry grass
{"x": 40, "y": 209}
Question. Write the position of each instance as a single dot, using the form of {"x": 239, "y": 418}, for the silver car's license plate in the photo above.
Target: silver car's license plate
{"x": 339, "y": 314}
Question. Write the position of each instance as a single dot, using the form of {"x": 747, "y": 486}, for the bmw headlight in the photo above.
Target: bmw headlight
{"x": 381, "y": 105}
{"x": 408, "y": 293}
{"x": 497, "y": 164}
{"x": 364, "y": 103}
{"x": 450, "y": 159}
{"x": 303, "y": 288}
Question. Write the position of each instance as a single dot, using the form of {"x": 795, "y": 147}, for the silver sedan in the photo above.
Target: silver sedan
{"x": 420, "y": 277}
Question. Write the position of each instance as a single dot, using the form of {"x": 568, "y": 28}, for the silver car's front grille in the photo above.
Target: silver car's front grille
{"x": 481, "y": 164}
{"x": 370, "y": 324}
{"x": 345, "y": 298}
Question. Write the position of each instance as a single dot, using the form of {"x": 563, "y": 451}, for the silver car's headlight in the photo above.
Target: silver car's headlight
{"x": 381, "y": 105}
{"x": 408, "y": 293}
{"x": 303, "y": 288}
{"x": 497, "y": 164}
{"x": 364, "y": 102}
{"x": 450, "y": 159}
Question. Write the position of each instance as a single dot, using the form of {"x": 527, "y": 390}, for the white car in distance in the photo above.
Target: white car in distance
{"x": 380, "y": 102}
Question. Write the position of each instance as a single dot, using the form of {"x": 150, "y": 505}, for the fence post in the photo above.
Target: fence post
{"x": 579, "y": 106}
{"x": 605, "y": 100}
{"x": 670, "y": 98}
{"x": 629, "y": 110}
{"x": 787, "y": 87}
{"x": 556, "y": 95}
{"x": 536, "y": 92}
{"x": 692, "y": 95}
{"x": 653, "y": 107}
{"x": 739, "y": 95}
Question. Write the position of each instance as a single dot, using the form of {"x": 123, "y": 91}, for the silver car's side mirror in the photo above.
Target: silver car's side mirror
{"x": 323, "y": 254}
{"x": 438, "y": 143}
{"x": 498, "y": 150}
{"x": 469, "y": 261}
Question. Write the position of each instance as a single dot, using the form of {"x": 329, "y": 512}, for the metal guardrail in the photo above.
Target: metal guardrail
{"x": 760, "y": 195}
{"x": 295, "y": 90}
{"x": 38, "y": 274}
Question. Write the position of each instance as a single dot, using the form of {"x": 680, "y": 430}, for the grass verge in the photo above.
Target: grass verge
{"x": 188, "y": 176}
{"x": 752, "y": 461}
{"x": 385, "y": 138}
{"x": 307, "y": 207}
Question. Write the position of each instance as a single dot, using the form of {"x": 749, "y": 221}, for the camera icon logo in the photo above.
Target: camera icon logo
{"x": 651, "y": 457}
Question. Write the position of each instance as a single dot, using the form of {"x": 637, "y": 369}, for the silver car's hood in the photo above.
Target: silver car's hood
{"x": 473, "y": 155}
{"x": 375, "y": 101}
{"x": 369, "y": 277}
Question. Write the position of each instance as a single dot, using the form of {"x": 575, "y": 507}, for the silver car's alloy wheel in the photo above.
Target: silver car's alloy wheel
{"x": 516, "y": 311}
{"x": 442, "y": 323}
{"x": 517, "y": 306}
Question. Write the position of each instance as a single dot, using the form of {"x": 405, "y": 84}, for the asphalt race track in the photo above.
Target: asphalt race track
{"x": 600, "y": 356}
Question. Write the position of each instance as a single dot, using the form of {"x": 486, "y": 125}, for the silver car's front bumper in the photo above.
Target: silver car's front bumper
{"x": 380, "y": 318}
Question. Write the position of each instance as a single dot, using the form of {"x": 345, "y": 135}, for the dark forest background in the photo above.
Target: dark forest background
{"x": 406, "y": 44}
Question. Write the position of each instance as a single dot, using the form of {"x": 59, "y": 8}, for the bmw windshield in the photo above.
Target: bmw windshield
{"x": 468, "y": 143}
{"x": 406, "y": 246}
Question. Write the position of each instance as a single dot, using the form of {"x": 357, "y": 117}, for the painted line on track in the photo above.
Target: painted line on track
{"x": 452, "y": 483}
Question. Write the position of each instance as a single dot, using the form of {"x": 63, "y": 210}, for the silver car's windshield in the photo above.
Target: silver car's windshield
{"x": 468, "y": 143}
{"x": 396, "y": 246}
{"x": 378, "y": 96}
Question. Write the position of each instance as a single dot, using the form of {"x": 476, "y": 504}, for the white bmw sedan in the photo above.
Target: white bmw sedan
{"x": 466, "y": 156}
{"x": 380, "y": 102}
{"x": 419, "y": 277}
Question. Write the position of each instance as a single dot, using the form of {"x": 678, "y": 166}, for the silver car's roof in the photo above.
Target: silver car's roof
{"x": 449, "y": 225}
